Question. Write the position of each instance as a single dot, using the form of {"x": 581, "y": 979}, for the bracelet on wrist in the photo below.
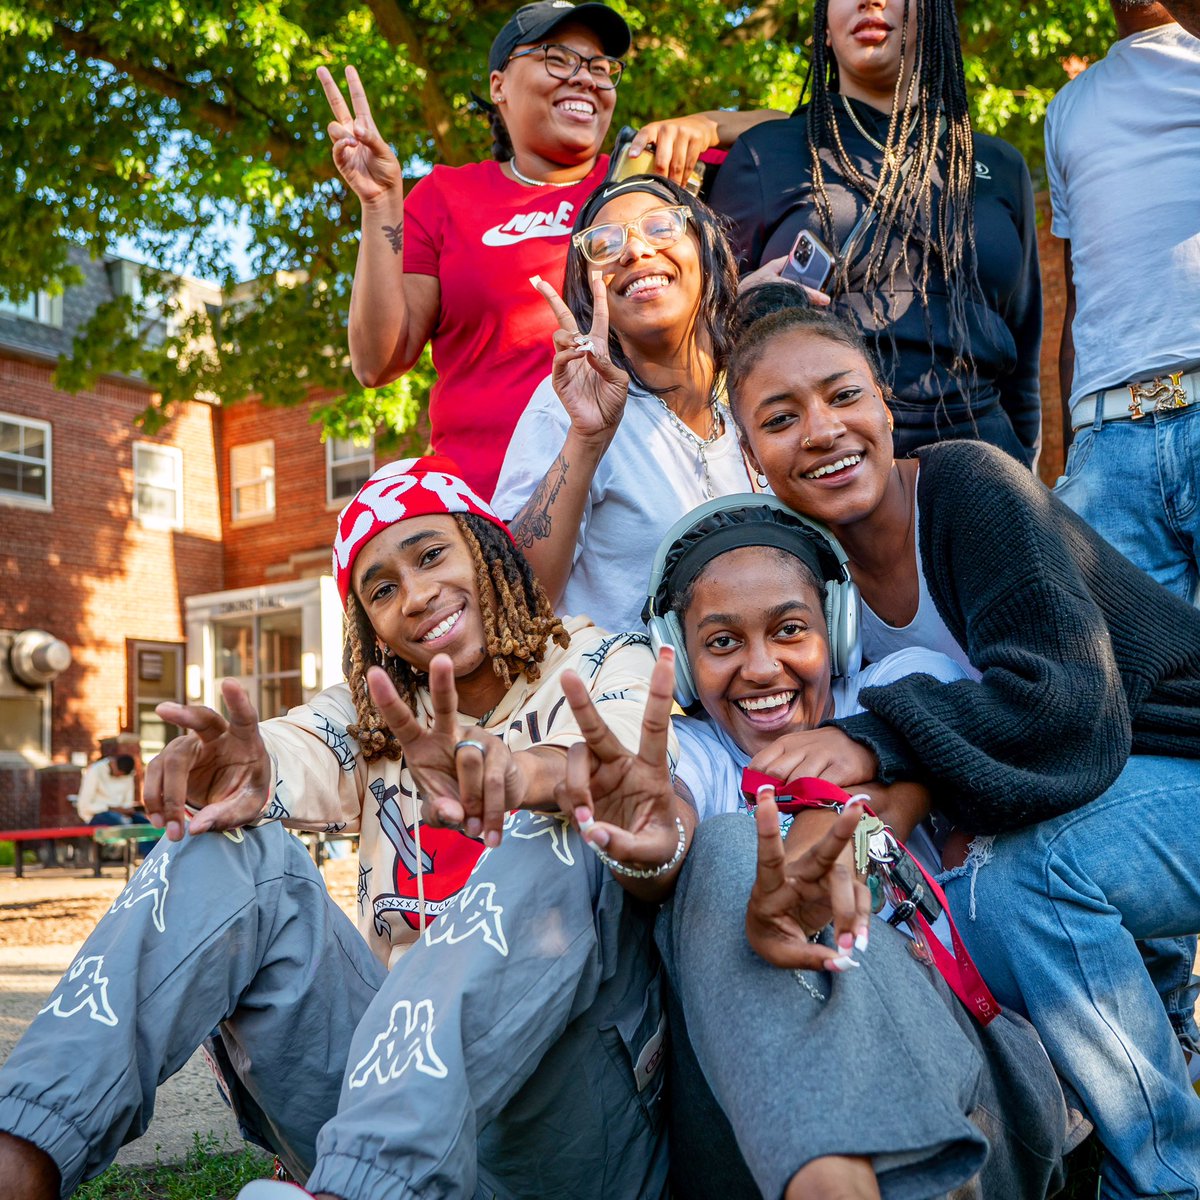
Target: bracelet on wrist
{"x": 620, "y": 868}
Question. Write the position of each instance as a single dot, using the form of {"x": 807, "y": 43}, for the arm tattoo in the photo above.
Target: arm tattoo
{"x": 395, "y": 237}
{"x": 532, "y": 523}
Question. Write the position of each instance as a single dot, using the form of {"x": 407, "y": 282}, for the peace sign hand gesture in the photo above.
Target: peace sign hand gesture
{"x": 624, "y": 801}
{"x": 365, "y": 161}
{"x": 467, "y": 776}
{"x": 592, "y": 388}
{"x": 793, "y": 900}
{"x": 221, "y": 767}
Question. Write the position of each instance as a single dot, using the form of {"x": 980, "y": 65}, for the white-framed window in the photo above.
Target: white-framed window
{"x": 40, "y": 307}
{"x": 158, "y": 485}
{"x": 25, "y": 461}
{"x": 252, "y": 480}
{"x": 347, "y": 467}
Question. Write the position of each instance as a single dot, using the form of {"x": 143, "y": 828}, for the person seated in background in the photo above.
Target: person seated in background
{"x": 630, "y": 431}
{"x": 107, "y": 795}
{"x": 456, "y": 665}
{"x": 760, "y": 610}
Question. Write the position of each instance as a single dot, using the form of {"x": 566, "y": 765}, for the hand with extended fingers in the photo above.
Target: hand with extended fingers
{"x": 795, "y": 898}
{"x": 466, "y": 776}
{"x": 365, "y": 161}
{"x": 592, "y": 388}
{"x": 221, "y": 768}
{"x": 624, "y": 802}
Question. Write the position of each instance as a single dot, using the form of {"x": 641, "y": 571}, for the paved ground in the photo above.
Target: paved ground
{"x": 44, "y": 918}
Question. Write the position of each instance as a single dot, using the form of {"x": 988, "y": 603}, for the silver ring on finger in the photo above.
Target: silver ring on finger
{"x": 472, "y": 743}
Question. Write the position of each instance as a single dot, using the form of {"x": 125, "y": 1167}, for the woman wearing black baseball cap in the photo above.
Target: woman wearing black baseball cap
{"x": 449, "y": 262}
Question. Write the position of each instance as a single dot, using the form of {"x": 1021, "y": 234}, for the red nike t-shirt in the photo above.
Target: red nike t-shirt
{"x": 482, "y": 235}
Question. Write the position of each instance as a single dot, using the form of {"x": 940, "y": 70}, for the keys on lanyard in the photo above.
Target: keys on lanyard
{"x": 893, "y": 877}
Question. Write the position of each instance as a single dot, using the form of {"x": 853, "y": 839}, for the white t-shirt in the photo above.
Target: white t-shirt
{"x": 102, "y": 791}
{"x": 926, "y": 631}
{"x": 1123, "y": 159}
{"x": 650, "y": 476}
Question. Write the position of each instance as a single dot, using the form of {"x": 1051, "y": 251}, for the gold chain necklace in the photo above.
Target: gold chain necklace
{"x": 512, "y": 165}
{"x": 889, "y": 156}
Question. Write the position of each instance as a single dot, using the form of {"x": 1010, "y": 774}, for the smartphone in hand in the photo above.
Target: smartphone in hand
{"x": 622, "y": 165}
{"x": 810, "y": 261}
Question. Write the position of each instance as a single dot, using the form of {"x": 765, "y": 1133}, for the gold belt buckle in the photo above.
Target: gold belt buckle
{"x": 1166, "y": 394}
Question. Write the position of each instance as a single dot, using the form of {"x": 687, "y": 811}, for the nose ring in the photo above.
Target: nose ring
{"x": 808, "y": 443}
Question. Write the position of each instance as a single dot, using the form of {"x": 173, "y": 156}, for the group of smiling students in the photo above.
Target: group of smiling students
{"x": 591, "y": 958}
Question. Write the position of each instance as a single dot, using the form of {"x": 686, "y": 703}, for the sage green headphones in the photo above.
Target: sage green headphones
{"x": 730, "y": 522}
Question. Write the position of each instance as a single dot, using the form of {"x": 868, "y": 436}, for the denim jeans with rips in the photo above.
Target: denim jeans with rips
{"x": 1058, "y": 911}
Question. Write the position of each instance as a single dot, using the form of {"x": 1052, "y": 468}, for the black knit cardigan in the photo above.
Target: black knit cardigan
{"x": 1085, "y": 659}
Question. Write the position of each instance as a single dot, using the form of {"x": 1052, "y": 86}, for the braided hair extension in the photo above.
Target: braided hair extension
{"x": 518, "y": 622}
{"x": 936, "y": 92}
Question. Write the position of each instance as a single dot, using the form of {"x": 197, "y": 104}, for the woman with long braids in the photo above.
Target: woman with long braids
{"x": 373, "y": 1075}
{"x": 630, "y": 430}
{"x": 932, "y": 226}
{"x": 1071, "y": 748}
{"x": 447, "y": 263}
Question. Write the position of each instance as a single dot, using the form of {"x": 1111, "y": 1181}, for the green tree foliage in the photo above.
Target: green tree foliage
{"x": 166, "y": 122}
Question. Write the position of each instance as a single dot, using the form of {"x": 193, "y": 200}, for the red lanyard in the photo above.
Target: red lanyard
{"x": 957, "y": 969}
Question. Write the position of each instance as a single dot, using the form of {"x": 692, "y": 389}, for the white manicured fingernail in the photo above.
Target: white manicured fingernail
{"x": 535, "y": 281}
{"x": 843, "y": 963}
{"x": 586, "y": 824}
{"x": 860, "y": 942}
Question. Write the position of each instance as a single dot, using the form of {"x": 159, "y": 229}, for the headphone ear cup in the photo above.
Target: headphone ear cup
{"x": 842, "y": 617}
{"x": 666, "y": 631}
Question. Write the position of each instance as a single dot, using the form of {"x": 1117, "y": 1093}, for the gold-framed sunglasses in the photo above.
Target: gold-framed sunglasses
{"x": 659, "y": 228}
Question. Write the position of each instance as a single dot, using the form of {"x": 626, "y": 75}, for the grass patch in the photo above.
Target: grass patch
{"x": 210, "y": 1171}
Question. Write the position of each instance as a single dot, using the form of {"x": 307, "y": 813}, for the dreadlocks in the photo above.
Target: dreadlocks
{"x": 929, "y": 113}
{"x": 518, "y": 622}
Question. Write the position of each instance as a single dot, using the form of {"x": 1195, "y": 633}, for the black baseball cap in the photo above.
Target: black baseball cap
{"x": 531, "y": 23}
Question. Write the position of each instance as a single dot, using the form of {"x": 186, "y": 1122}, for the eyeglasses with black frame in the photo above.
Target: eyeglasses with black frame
{"x": 659, "y": 228}
{"x": 564, "y": 63}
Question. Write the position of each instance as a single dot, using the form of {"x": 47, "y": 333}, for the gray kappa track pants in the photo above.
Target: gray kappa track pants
{"x": 501, "y": 1057}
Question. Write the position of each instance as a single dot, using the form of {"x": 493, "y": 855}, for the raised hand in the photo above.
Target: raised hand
{"x": 221, "y": 767}
{"x": 793, "y": 900}
{"x": 629, "y": 797}
{"x": 592, "y": 388}
{"x": 677, "y": 143}
{"x": 365, "y": 161}
{"x": 471, "y": 785}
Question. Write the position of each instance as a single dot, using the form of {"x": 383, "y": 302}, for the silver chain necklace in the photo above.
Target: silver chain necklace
{"x": 512, "y": 165}
{"x": 694, "y": 439}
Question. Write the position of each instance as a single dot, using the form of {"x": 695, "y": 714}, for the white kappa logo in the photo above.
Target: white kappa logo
{"x": 84, "y": 987}
{"x": 407, "y": 1040}
{"x": 477, "y": 909}
{"x": 524, "y": 226}
{"x": 149, "y": 883}
{"x": 546, "y": 823}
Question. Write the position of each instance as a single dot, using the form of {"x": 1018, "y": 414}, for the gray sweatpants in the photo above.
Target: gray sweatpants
{"x": 885, "y": 1064}
{"x": 501, "y": 1057}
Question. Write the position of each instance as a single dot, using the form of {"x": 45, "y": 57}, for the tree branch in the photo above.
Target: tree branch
{"x": 398, "y": 30}
{"x": 223, "y": 117}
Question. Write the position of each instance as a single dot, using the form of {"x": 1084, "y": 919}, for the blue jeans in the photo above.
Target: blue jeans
{"x": 1058, "y": 912}
{"x": 1137, "y": 484}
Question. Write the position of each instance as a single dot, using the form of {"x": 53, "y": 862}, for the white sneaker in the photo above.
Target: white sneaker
{"x": 271, "y": 1189}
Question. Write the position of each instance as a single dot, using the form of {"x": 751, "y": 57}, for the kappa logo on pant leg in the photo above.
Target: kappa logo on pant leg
{"x": 149, "y": 883}
{"x": 476, "y": 910}
{"x": 549, "y": 825}
{"x": 84, "y": 986}
{"x": 408, "y": 1040}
